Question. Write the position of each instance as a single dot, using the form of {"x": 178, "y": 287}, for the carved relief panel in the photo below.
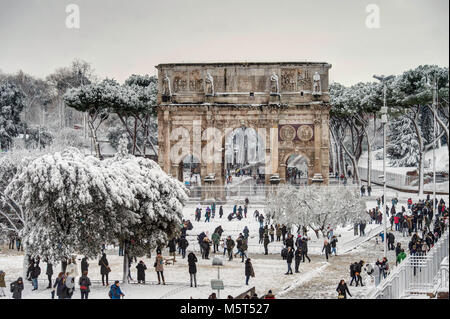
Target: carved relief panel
{"x": 196, "y": 81}
{"x": 180, "y": 81}
{"x": 304, "y": 80}
{"x": 288, "y": 80}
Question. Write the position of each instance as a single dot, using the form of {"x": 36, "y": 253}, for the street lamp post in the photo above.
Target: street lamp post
{"x": 434, "y": 142}
{"x": 384, "y": 121}
{"x": 434, "y": 105}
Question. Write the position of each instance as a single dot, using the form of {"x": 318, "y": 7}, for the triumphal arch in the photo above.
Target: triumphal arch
{"x": 287, "y": 103}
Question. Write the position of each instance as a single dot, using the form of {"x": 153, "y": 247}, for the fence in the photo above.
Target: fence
{"x": 255, "y": 193}
{"x": 416, "y": 275}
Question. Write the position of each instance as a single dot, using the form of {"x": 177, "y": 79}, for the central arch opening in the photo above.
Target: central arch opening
{"x": 297, "y": 170}
{"x": 244, "y": 157}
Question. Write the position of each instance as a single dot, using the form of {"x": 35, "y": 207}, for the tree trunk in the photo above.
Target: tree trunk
{"x": 95, "y": 140}
{"x": 369, "y": 161}
{"x": 125, "y": 263}
{"x": 25, "y": 261}
{"x": 134, "y": 136}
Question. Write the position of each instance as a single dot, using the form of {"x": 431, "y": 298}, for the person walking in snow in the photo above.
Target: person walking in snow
{"x": 326, "y": 248}
{"x": 60, "y": 285}
{"x": 298, "y": 258}
{"x": 2, "y": 283}
{"x": 115, "y": 292}
{"x": 70, "y": 285}
{"x": 333, "y": 243}
{"x": 84, "y": 282}
{"x": 192, "y": 260}
{"x": 17, "y": 288}
{"x": 352, "y": 273}
{"x": 342, "y": 290}
{"x": 230, "y": 245}
{"x": 104, "y": 269}
{"x": 72, "y": 268}
{"x": 249, "y": 272}
{"x": 159, "y": 268}
{"x": 34, "y": 275}
{"x": 215, "y": 240}
{"x": 305, "y": 249}
{"x": 266, "y": 244}
{"x": 358, "y": 269}
{"x": 141, "y": 268}
{"x": 84, "y": 264}
{"x": 49, "y": 273}
{"x": 289, "y": 257}
{"x": 183, "y": 244}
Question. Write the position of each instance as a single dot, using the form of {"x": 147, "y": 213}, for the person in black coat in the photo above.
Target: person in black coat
{"x": 342, "y": 290}
{"x": 298, "y": 258}
{"x": 289, "y": 257}
{"x": 49, "y": 273}
{"x": 358, "y": 269}
{"x": 249, "y": 272}
{"x": 220, "y": 212}
{"x": 327, "y": 248}
{"x": 104, "y": 269}
{"x": 183, "y": 244}
{"x": 16, "y": 288}
{"x": 84, "y": 265}
{"x": 192, "y": 259}
{"x": 290, "y": 241}
{"x": 60, "y": 285}
{"x": 305, "y": 249}
{"x": 141, "y": 268}
{"x": 34, "y": 274}
{"x": 352, "y": 273}
{"x": 261, "y": 235}
{"x": 172, "y": 248}
{"x": 390, "y": 240}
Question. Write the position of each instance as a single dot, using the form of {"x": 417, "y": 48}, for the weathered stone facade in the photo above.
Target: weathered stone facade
{"x": 287, "y": 103}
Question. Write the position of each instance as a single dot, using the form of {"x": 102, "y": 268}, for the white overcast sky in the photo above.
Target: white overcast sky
{"x": 124, "y": 37}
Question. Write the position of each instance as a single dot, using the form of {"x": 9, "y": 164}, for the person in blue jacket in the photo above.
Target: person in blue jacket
{"x": 115, "y": 292}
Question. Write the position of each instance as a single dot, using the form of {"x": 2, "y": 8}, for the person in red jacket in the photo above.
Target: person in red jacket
{"x": 269, "y": 295}
{"x": 396, "y": 222}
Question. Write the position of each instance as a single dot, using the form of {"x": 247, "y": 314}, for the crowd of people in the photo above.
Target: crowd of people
{"x": 422, "y": 221}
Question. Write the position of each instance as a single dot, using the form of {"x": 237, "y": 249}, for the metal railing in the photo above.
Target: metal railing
{"x": 257, "y": 192}
{"x": 418, "y": 274}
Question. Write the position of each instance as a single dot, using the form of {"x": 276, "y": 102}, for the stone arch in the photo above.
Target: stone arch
{"x": 254, "y": 159}
{"x": 285, "y": 169}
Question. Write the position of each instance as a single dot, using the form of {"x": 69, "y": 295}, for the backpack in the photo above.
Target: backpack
{"x": 83, "y": 283}
{"x": 284, "y": 252}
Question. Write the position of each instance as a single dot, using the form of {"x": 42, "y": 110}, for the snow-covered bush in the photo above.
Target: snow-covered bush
{"x": 316, "y": 207}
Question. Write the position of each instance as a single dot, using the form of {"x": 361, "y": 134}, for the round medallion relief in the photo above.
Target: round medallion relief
{"x": 287, "y": 133}
{"x": 305, "y": 133}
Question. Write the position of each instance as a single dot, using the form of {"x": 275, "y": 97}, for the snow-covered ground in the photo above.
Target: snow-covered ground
{"x": 317, "y": 279}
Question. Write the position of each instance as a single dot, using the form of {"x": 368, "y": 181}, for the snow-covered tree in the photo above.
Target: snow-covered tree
{"x": 95, "y": 100}
{"x": 316, "y": 207}
{"x": 11, "y": 105}
{"x": 411, "y": 92}
{"x": 403, "y": 145}
{"x": 75, "y": 203}
{"x": 160, "y": 203}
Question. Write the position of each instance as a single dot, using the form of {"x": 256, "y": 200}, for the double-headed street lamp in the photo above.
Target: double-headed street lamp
{"x": 384, "y": 110}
